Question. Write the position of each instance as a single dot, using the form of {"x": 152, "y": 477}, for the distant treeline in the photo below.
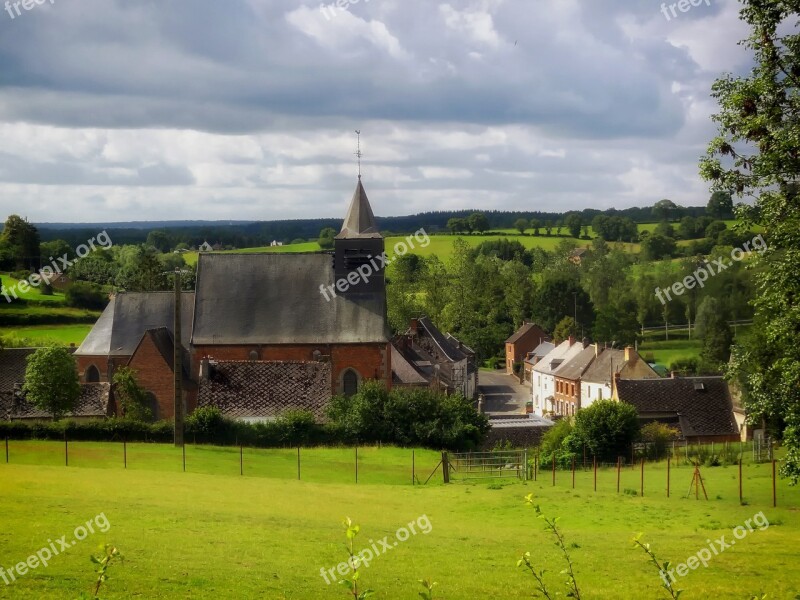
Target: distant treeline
{"x": 262, "y": 233}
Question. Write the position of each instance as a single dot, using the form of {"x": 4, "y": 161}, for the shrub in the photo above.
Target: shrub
{"x": 607, "y": 428}
{"x": 21, "y": 275}
{"x": 554, "y": 443}
{"x": 86, "y": 295}
{"x": 658, "y": 436}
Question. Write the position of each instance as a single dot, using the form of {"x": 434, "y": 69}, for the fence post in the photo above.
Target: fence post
{"x": 619, "y": 466}
{"x": 573, "y": 472}
{"x": 298, "y": 463}
{"x": 774, "y": 489}
{"x": 445, "y": 468}
{"x": 536, "y": 466}
{"x": 554, "y": 468}
{"x": 356, "y": 464}
{"x": 740, "y": 480}
{"x": 183, "y": 448}
{"x": 525, "y": 459}
{"x": 643, "y": 478}
{"x": 66, "y": 450}
{"x": 413, "y": 468}
{"x": 125, "y": 453}
{"x": 241, "y": 460}
{"x": 594, "y": 461}
{"x": 6, "y": 449}
{"x": 669, "y": 462}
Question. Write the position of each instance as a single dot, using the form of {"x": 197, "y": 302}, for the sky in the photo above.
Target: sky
{"x": 120, "y": 110}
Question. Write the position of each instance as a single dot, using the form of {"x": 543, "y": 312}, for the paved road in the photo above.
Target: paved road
{"x": 502, "y": 394}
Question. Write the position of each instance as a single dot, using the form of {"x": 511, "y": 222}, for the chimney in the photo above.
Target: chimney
{"x": 596, "y": 349}
{"x": 571, "y": 340}
{"x": 204, "y": 369}
{"x": 673, "y": 375}
{"x": 414, "y": 326}
{"x": 629, "y": 354}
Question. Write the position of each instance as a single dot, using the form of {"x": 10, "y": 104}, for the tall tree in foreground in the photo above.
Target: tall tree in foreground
{"x": 51, "y": 381}
{"x": 757, "y": 154}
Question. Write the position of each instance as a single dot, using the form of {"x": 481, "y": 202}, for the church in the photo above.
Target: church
{"x": 258, "y": 337}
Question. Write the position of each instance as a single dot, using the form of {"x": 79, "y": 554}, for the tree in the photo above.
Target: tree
{"x": 478, "y": 222}
{"x": 755, "y": 154}
{"x": 665, "y": 209}
{"x": 144, "y": 272}
{"x": 521, "y": 225}
{"x": 558, "y": 296}
{"x": 687, "y": 229}
{"x": 51, "y": 381}
{"x": 665, "y": 229}
{"x": 657, "y": 246}
{"x": 606, "y": 429}
{"x": 133, "y": 399}
{"x": 456, "y": 225}
{"x": 20, "y": 244}
{"x": 714, "y": 229}
{"x": 548, "y": 227}
{"x": 717, "y": 343}
{"x": 159, "y": 240}
{"x": 326, "y": 237}
{"x": 720, "y": 205}
{"x": 536, "y": 224}
{"x": 573, "y": 223}
{"x": 566, "y": 328}
{"x": 55, "y": 249}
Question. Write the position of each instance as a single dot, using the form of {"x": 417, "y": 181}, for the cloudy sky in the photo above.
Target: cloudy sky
{"x": 115, "y": 110}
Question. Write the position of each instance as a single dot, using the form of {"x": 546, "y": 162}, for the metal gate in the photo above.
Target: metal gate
{"x": 488, "y": 465}
{"x": 762, "y": 449}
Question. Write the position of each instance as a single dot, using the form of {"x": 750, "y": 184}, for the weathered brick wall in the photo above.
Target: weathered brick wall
{"x": 372, "y": 361}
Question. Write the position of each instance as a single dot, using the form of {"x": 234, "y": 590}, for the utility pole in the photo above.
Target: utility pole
{"x": 178, "y": 363}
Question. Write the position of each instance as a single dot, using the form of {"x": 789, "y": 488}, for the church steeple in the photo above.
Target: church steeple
{"x": 360, "y": 221}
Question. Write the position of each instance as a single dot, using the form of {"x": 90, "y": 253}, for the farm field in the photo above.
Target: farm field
{"x": 44, "y": 335}
{"x": 203, "y": 535}
{"x": 33, "y": 293}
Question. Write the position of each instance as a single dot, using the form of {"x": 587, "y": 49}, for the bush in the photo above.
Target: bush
{"x": 607, "y": 429}
{"x": 554, "y": 442}
{"x": 658, "y": 436}
{"x": 86, "y": 295}
{"x": 686, "y": 367}
{"x": 21, "y": 275}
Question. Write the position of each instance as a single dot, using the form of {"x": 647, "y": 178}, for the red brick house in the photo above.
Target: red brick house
{"x": 524, "y": 340}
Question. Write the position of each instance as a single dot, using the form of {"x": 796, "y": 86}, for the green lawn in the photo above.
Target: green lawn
{"x": 216, "y": 534}
{"x": 44, "y": 335}
{"x": 33, "y": 293}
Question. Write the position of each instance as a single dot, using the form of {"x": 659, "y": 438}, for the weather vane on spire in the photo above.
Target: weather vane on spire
{"x": 358, "y": 152}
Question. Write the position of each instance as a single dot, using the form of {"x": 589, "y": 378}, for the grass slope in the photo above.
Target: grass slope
{"x": 198, "y": 536}
{"x": 44, "y": 335}
{"x": 33, "y": 293}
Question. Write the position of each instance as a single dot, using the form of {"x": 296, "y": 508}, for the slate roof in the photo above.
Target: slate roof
{"x": 13, "y": 362}
{"x": 541, "y": 351}
{"x": 359, "y": 222}
{"x": 119, "y": 329}
{"x": 557, "y": 356}
{"x": 517, "y": 335}
{"x": 610, "y": 361}
{"x": 247, "y": 299}
{"x": 449, "y": 348}
{"x": 701, "y": 412}
{"x": 403, "y": 372}
{"x": 574, "y": 368}
{"x": 93, "y": 402}
{"x": 266, "y": 389}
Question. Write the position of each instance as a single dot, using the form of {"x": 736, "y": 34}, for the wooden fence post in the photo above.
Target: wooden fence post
{"x": 619, "y": 467}
{"x": 642, "y": 477}
{"x": 298, "y": 463}
{"x": 669, "y": 462}
{"x": 6, "y": 449}
{"x": 241, "y": 460}
{"x": 774, "y": 489}
{"x": 740, "y": 480}
{"x": 356, "y": 464}
{"x": 445, "y": 468}
{"x": 183, "y": 449}
{"x": 594, "y": 460}
{"x": 125, "y": 453}
{"x": 413, "y": 468}
{"x": 573, "y": 472}
{"x": 66, "y": 450}
{"x": 554, "y": 468}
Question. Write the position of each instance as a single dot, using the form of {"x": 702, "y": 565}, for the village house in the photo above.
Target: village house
{"x": 700, "y": 408}
{"x": 543, "y": 378}
{"x": 597, "y": 381}
{"x": 442, "y": 360}
{"x": 534, "y": 357}
{"x": 523, "y": 341}
{"x": 567, "y": 397}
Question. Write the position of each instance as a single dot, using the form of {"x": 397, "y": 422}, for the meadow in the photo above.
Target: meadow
{"x": 217, "y": 534}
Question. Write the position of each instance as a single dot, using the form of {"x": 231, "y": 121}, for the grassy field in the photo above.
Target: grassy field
{"x": 44, "y": 335}
{"x": 200, "y": 535}
{"x": 33, "y": 294}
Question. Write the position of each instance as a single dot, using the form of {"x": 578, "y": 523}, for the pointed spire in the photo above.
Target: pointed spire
{"x": 359, "y": 222}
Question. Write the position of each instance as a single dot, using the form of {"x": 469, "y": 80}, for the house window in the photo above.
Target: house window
{"x": 349, "y": 383}
{"x": 92, "y": 375}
